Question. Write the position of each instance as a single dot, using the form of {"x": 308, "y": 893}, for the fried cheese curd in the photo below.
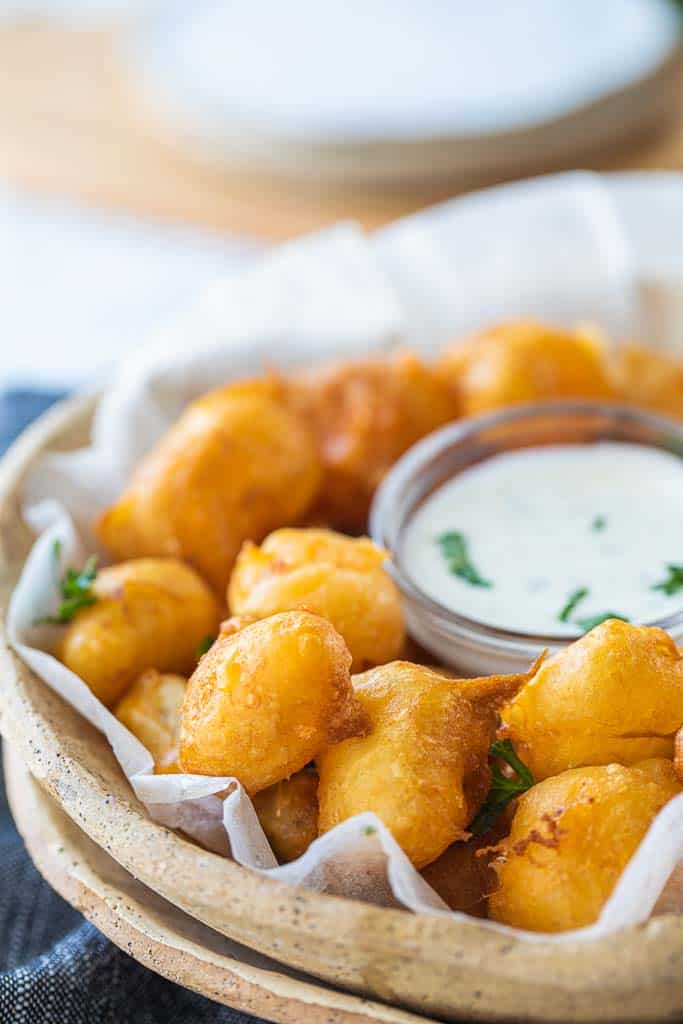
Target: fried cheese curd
{"x": 678, "y": 754}
{"x": 523, "y": 361}
{"x": 151, "y": 711}
{"x": 338, "y": 577}
{"x": 236, "y": 465}
{"x": 614, "y": 695}
{"x": 463, "y": 875}
{"x": 267, "y": 698}
{"x": 364, "y": 415}
{"x": 648, "y": 379}
{"x": 148, "y": 613}
{"x": 288, "y": 812}
{"x": 571, "y": 838}
{"x": 423, "y": 768}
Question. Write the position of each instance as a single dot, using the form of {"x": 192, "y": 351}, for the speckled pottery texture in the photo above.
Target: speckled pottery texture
{"x": 446, "y": 968}
{"x": 164, "y": 938}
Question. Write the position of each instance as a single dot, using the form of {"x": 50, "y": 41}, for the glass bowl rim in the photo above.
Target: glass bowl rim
{"x": 458, "y": 434}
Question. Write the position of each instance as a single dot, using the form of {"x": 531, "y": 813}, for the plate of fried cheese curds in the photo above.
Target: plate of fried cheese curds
{"x": 209, "y": 657}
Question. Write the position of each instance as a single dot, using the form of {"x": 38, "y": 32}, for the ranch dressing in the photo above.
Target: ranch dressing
{"x": 544, "y": 540}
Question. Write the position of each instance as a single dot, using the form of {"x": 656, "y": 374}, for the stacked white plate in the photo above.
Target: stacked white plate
{"x": 405, "y": 90}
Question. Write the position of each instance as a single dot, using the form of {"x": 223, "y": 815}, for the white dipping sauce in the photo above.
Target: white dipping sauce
{"x": 542, "y": 523}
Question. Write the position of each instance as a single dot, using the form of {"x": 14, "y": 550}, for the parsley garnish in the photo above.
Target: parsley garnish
{"x": 503, "y": 788}
{"x": 75, "y": 588}
{"x": 369, "y": 830}
{"x": 599, "y": 524}
{"x": 594, "y": 620}
{"x": 572, "y": 602}
{"x": 454, "y": 549}
{"x": 204, "y": 645}
{"x": 674, "y": 582}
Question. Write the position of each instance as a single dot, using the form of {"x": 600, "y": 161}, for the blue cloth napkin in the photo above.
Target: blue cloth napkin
{"x": 55, "y": 967}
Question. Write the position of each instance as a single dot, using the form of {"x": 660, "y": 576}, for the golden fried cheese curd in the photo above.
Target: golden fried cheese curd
{"x": 149, "y": 613}
{"x": 364, "y": 415}
{"x": 338, "y": 577}
{"x": 288, "y": 812}
{"x": 236, "y": 465}
{"x": 571, "y": 838}
{"x": 265, "y": 700}
{"x": 648, "y": 379}
{"x": 151, "y": 710}
{"x": 463, "y": 875}
{"x": 614, "y": 695}
{"x": 423, "y": 768}
{"x": 678, "y": 753}
{"x": 523, "y": 361}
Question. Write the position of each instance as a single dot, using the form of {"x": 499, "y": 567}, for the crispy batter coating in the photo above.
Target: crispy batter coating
{"x": 648, "y": 379}
{"x": 523, "y": 361}
{"x": 424, "y": 767}
{"x": 338, "y": 577}
{"x": 288, "y": 812}
{"x": 150, "y": 613}
{"x": 614, "y": 695}
{"x": 678, "y": 754}
{"x": 264, "y": 701}
{"x": 571, "y": 838}
{"x": 463, "y": 876}
{"x": 235, "y": 465}
{"x": 364, "y": 415}
{"x": 151, "y": 710}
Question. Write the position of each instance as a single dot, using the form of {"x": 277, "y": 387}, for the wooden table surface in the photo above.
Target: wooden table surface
{"x": 69, "y": 127}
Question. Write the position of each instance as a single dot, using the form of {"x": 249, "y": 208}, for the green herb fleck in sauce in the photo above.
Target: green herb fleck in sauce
{"x": 674, "y": 583}
{"x": 454, "y": 549}
{"x": 574, "y": 599}
{"x": 599, "y": 524}
{"x": 503, "y": 788}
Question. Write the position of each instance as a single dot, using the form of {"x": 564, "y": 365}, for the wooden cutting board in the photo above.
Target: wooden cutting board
{"x": 71, "y": 125}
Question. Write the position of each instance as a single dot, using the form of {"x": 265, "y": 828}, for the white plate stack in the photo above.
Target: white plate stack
{"x": 404, "y": 90}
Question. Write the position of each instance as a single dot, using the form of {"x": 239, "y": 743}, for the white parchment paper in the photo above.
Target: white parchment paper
{"x": 333, "y": 294}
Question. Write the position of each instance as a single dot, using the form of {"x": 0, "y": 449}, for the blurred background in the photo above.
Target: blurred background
{"x": 148, "y": 148}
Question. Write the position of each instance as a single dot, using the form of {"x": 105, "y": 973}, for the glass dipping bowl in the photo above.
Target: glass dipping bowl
{"x": 468, "y": 645}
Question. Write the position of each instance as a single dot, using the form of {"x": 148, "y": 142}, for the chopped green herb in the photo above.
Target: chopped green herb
{"x": 369, "y": 830}
{"x": 503, "y": 789}
{"x": 599, "y": 524}
{"x": 594, "y": 620}
{"x": 574, "y": 599}
{"x": 75, "y": 588}
{"x": 454, "y": 549}
{"x": 674, "y": 582}
{"x": 204, "y": 645}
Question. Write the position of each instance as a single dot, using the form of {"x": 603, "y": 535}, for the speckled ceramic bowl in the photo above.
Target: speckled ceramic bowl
{"x": 433, "y": 965}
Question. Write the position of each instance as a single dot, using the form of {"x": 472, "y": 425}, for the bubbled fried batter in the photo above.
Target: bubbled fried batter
{"x": 235, "y": 465}
{"x": 523, "y": 361}
{"x": 614, "y": 695}
{"x": 423, "y": 769}
{"x": 364, "y": 414}
{"x": 648, "y": 379}
{"x": 149, "y": 613}
{"x": 264, "y": 701}
{"x": 151, "y": 709}
{"x": 463, "y": 875}
{"x": 338, "y": 577}
{"x": 571, "y": 838}
{"x": 288, "y": 812}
